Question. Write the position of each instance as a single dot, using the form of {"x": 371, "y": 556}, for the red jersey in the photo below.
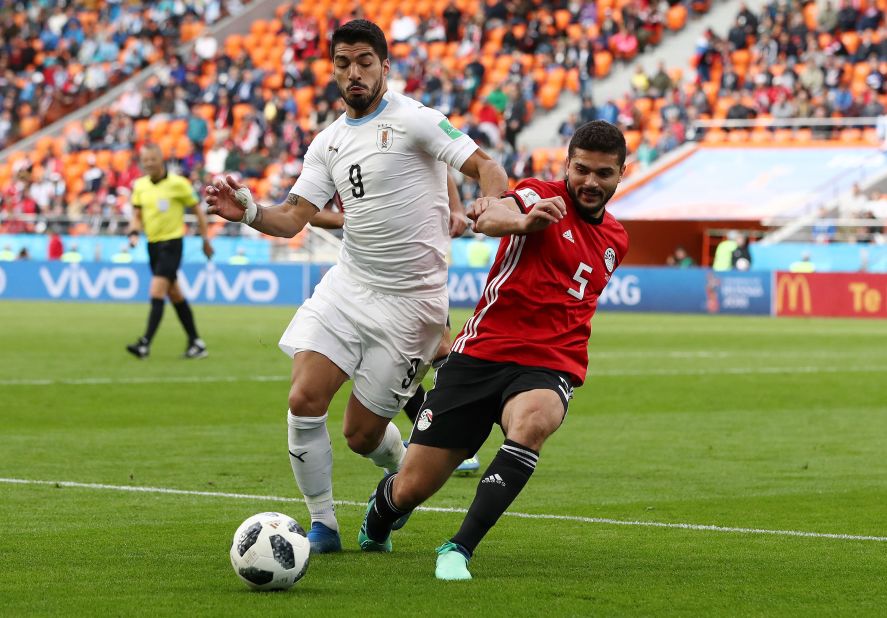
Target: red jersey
{"x": 542, "y": 290}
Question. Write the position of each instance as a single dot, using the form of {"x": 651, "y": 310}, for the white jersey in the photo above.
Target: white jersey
{"x": 390, "y": 170}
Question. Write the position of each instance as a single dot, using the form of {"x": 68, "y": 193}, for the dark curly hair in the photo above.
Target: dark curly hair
{"x": 599, "y": 136}
{"x": 360, "y": 31}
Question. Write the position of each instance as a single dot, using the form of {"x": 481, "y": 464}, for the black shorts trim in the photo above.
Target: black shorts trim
{"x": 469, "y": 395}
{"x": 165, "y": 257}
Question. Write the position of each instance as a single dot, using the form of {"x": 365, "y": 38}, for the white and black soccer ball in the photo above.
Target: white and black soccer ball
{"x": 270, "y": 551}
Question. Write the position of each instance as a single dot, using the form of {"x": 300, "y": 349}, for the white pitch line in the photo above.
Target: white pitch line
{"x": 592, "y": 374}
{"x": 435, "y": 509}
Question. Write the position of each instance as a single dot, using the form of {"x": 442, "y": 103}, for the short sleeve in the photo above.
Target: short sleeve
{"x": 315, "y": 183}
{"x": 526, "y": 193}
{"x": 136, "y": 199}
{"x": 188, "y": 194}
{"x": 435, "y": 135}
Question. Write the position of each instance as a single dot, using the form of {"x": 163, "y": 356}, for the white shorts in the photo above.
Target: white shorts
{"x": 384, "y": 343}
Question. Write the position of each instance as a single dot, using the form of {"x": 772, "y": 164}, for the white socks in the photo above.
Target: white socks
{"x": 311, "y": 458}
{"x": 390, "y": 452}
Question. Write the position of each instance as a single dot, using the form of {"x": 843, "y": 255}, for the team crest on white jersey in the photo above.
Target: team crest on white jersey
{"x": 384, "y": 137}
{"x": 529, "y": 196}
{"x": 424, "y": 420}
{"x": 610, "y": 259}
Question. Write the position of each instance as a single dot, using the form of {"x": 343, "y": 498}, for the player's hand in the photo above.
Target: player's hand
{"x": 230, "y": 200}
{"x": 458, "y": 224}
{"x": 479, "y": 206}
{"x": 208, "y": 250}
{"x": 544, "y": 213}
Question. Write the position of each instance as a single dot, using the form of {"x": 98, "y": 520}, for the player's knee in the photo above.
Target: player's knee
{"x": 533, "y": 428}
{"x": 361, "y": 440}
{"x": 303, "y": 402}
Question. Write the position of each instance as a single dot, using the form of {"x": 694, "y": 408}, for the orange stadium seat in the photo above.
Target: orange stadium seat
{"x": 811, "y": 12}
{"x": 548, "y": 96}
{"x": 850, "y": 39}
{"x": 715, "y": 136}
{"x": 562, "y": 18}
{"x": 632, "y": 140}
{"x": 850, "y": 134}
{"x": 573, "y": 80}
{"x": 738, "y": 136}
{"x": 676, "y": 17}
{"x": 803, "y": 136}
{"x": 603, "y": 61}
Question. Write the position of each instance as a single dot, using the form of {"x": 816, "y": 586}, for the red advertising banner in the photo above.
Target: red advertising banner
{"x": 846, "y": 295}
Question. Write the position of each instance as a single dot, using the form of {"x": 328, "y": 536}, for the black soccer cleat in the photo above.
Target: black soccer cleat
{"x": 197, "y": 349}
{"x": 140, "y": 349}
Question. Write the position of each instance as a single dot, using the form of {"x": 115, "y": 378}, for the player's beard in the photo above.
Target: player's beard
{"x": 360, "y": 103}
{"x": 592, "y": 214}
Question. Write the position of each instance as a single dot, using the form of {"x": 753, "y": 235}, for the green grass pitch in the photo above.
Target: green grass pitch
{"x": 738, "y": 423}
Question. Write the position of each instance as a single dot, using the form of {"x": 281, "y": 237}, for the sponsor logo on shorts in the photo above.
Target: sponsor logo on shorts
{"x": 424, "y": 421}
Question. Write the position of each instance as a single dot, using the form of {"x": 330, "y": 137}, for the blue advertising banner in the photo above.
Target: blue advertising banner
{"x": 687, "y": 290}
{"x": 691, "y": 290}
{"x": 675, "y": 290}
{"x": 209, "y": 284}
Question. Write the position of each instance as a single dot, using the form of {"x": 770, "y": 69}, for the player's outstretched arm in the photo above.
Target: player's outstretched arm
{"x": 490, "y": 175}
{"x": 234, "y": 202}
{"x": 502, "y": 217}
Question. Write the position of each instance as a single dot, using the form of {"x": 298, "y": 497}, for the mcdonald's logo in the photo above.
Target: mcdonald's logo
{"x": 792, "y": 290}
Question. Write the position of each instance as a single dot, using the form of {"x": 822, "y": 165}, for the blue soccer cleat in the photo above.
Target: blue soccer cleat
{"x": 365, "y": 542}
{"x": 323, "y": 539}
{"x": 469, "y": 466}
{"x": 452, "y": 564}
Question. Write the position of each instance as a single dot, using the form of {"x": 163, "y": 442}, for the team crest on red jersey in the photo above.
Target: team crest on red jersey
{"x": 610, "y": 259}
{"x": 384, "y": 137}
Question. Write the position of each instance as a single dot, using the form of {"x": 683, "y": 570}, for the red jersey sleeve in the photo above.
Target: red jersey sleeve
{"x": 528, "y": 192}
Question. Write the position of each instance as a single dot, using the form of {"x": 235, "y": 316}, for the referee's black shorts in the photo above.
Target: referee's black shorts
{"x": 469, "y": 395}
{"x": 165, "y": 257}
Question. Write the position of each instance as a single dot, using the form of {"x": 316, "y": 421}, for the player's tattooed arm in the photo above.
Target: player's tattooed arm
{"x": 230, "y": 200}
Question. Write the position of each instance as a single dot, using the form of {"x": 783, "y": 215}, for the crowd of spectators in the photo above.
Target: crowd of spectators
{"x": 790, "y": 61}
{"x": 56, "y": 55}
{"x": 252, "y": 104}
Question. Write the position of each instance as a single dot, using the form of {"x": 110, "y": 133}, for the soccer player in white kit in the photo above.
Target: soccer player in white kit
{"x": 378, "y": 315}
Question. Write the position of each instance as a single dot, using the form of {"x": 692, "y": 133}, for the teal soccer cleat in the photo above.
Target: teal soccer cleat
{"x": 452, "y": 565}
{"x": 365, "y": 542}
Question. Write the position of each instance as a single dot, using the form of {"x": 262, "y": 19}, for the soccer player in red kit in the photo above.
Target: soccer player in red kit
{"x": 517, "y": 359}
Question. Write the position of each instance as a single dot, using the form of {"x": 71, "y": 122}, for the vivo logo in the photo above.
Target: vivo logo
{"x": 467, "y": 287}
{"x": 118, "y": 283}
{"x": 621, "y": 291}
{"x": 257, "y": 285}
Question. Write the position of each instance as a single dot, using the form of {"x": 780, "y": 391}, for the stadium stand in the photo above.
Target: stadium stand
{"x": 57, "y": 56}
{"x": 785, "y": 75}
{"x": 253, "y": 104}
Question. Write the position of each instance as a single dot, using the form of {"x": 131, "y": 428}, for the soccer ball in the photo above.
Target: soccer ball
{"x": 270, "y": 552}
